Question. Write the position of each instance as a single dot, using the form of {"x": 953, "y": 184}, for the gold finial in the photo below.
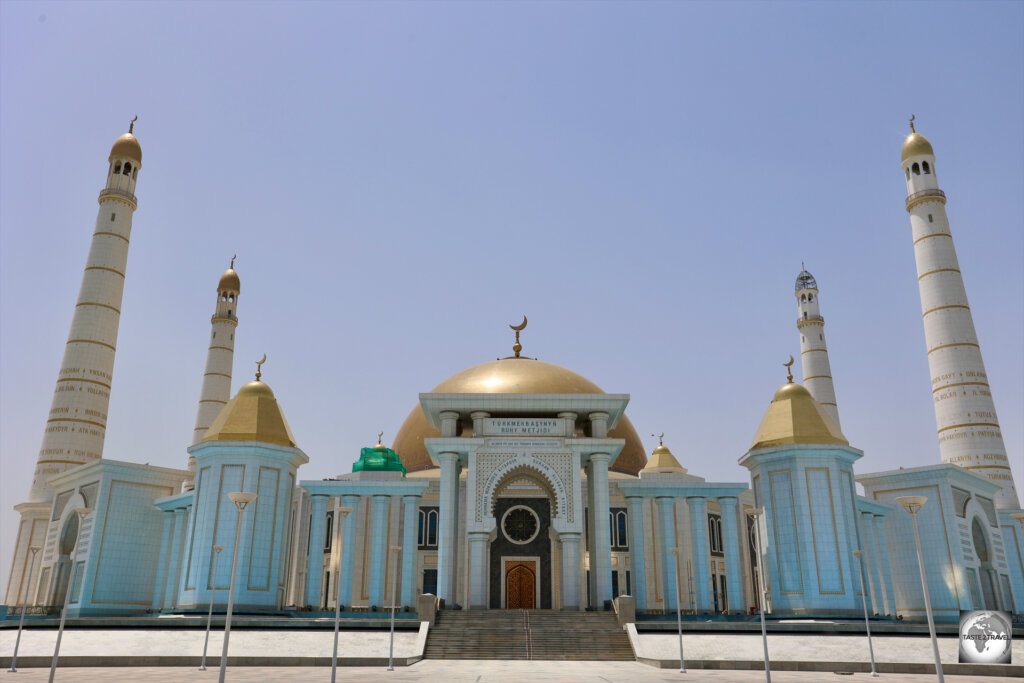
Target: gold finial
{"x": 660, "y": 438}
{"x": 131, "y": 126}
{"x": 258, "y": 368}
{"x": 789, "y": 370}
{"x": 517, "y": 347}
{"x": 380, "y": 435}
{"x": 232, "y": 266}
{"x": 912, "y": 117}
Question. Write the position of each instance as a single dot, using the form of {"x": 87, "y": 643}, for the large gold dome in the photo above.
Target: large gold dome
{"x": 511, "y": 376}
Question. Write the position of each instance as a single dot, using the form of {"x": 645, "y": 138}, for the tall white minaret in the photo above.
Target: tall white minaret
{"x": 813, "y": 349}
{"x": 76, "y": 425}
{"x": 216, "y": 391}
{"x": 965, "y": 413}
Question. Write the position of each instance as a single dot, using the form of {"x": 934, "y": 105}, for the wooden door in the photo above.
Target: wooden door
{"x": 520, "y": 585}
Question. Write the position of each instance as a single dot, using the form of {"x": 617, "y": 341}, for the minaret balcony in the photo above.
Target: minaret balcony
{"x": 924, "y": 196}
{"x": 120, "y": 194}
{"x": 810, "y": 320}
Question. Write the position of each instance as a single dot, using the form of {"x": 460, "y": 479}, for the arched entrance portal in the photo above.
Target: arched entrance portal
{"x": 520, "y": 554}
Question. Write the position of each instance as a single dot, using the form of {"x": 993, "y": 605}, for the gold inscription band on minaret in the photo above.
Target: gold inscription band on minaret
{"x": 221, "y": 374}
{"x": 969, "y": 424}
{"x": 940, "y": 308}
{"x": 112, "y": 234}
{"x": 224, "y": 348}
{"x": 946, "y": 346}
{"x": 934, "y": 234}
{"x": 93, "y": 303}
{"x": 961, "y": 384}
{"x": 939, "y": 270}
{"x": 90, "y": 341}
{"x": 813, "y": 350}
{"x": 117, "y": 272}
{"x": 90, "y": 381}
{"x": 806, "y": 379}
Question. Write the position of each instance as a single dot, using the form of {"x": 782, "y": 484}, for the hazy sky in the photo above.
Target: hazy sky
{"x": 402, "y": 181}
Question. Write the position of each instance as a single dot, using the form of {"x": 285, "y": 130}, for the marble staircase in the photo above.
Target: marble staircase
{"x": 526, "y": 635}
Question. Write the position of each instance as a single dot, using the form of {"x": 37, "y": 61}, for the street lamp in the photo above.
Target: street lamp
{"x": 213, "y": 591}
{"x": 756, "y": 513}
{"x": 913, "y": 505}
{"x": 864, "y": 602}
{"x": 24, "y": 606}
{"x": 394, "y": 596}
{"x": 679, "y": 611}
{"x": 341, "y": 513}
{"x": 81, "y": 513}
{"x": 241, "y": 501}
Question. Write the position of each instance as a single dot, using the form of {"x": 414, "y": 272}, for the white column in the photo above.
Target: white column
{"x": 570, "y": 571}
{"x": 733, "y": 553}
{"x": 882, "y": 554}
{"x": 636, "y": 551}
{"x": 699, "y": 545}
{"x": 161, "y": 568}
{"x": 315, "y": 568}
{"x": 410, "y": 548}
{"x": 446, "y": 542}
{"x": 478, "y": 569}
{"x": 667, "y": 523}
{"x": 174, "y": 563}
{"x": 378, "y": 549}
{"x": 348, "y": 550}
{"x": 874, "y": 583}
{"x": 601, "y": 553}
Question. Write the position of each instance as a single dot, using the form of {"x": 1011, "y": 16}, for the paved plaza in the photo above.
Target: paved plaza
{"x": 452, "y": 671}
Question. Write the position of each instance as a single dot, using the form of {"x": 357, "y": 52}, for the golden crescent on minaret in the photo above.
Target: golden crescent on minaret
{"x": 380, "y": 436}
{"x": 232, "y": 266}
{"x": 789, "y": 369}
{"x": 661, "y": 439}
{"x": 131, "y": 126}
{"x": 517, "y": 347}
{"x": 260, "y": 362}
{"x": 912, "y": 117}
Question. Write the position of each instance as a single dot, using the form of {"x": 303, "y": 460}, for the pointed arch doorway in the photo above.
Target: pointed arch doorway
{"x": 520, "y": 587}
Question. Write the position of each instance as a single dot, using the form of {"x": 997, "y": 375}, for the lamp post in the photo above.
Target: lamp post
{"x": 864, "y": 602}
{"x": 913, "y": 505}
{"x": 24, "y": 605}
{"x": 396, "y": 549}
{"x": 241, "y": 501}
{"x": 760, "y": 587}
{"x": 81, "y": 512}
{"x": 213, "y": 591}
{"x": 679, "y": 611}
{"x": 341, "y": 513}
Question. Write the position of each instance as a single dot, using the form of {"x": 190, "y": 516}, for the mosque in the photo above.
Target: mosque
{"x": 518, "y": 483}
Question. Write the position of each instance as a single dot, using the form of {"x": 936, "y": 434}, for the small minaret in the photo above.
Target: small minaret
{"x": 77, "y": 423}
{"x": 965, "y": 413}
{"x": 220, "y": 357}
{"x": 813, "y": 350}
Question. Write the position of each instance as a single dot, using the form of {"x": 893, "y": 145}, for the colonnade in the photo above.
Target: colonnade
{"x": 877, "y": 575}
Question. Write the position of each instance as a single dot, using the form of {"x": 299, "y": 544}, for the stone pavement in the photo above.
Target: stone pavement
{"x": 453, "y": 671}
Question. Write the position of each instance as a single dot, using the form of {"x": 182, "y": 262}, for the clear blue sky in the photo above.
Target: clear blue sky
{"x": 401, "y": 181}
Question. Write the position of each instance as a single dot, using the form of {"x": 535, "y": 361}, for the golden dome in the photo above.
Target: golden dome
{"x": 795, "y": 417}
{"x": 252, "y": 415}
{"x": 511, "y": 376}
{"x": 127, "y": 147}
{"x": 916, "y": 144}
{"x": 229, "y": 281}
{"x": 662, "y": 460}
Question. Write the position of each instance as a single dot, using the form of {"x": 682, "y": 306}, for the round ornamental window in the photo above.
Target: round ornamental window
{"x": 520, "y": 524}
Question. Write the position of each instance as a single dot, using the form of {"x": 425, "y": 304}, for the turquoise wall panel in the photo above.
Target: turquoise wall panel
{"x": 787, "y": 546}
{"x": 821, "y": 503}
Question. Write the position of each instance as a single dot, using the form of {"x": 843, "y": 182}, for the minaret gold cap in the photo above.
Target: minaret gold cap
{"x": 915, "y": 144}
{"x": 127, "y": 146}
{"x": 229, "y": 280}
{"x": 662, "y": 460}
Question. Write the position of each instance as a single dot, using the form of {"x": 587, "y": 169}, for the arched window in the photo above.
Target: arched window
{"x": 803, "y": 298}
{"x": 924, "y": 165}
{"x": 980, "y": 543}
{"x": 427, "y": 536}
{"x": 327, "y": 533}
{"x": 916, "y": 169}
{"x": 127, "y": 168}
{"x": 117, "y": 167}
{"x": 810, "y": 297}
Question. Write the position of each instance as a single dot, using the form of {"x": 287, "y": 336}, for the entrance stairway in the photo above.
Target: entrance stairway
{"x": 527, "y": 634}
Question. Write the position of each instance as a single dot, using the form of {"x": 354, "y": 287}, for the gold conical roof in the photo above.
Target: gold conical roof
{"x": 252, "y": 415}
{"x": 662, "y": 460}
{"x": 794, "y": 417}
